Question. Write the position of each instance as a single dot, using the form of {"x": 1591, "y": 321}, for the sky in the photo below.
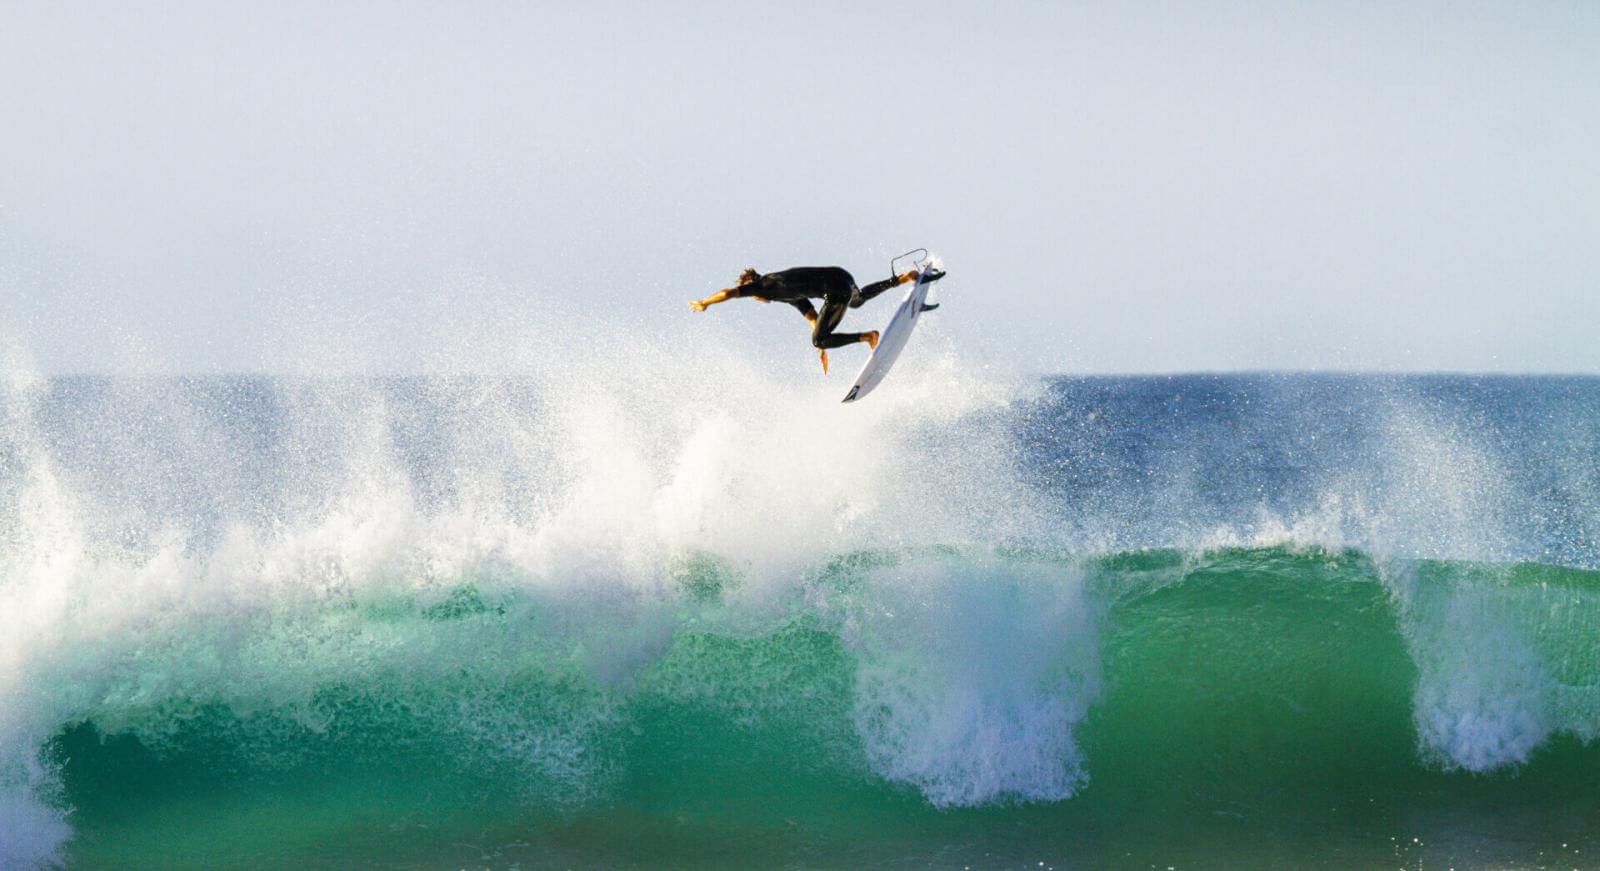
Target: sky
{"x": 1113, "y": 187}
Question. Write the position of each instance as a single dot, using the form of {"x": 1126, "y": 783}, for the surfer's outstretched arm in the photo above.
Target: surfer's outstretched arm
{"x": 749, "y": 281}
{"x": 723, "y": 295}
{"x": 806, "y": 309}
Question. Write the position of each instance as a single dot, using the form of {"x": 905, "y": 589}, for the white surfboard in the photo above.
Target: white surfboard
{"x": 893, "y": 339}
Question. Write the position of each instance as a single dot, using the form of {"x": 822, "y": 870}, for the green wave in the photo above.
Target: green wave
{"x": 1259, "y": 706}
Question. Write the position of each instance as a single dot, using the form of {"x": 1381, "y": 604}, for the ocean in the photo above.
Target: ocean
{"x": 667, "y": 613}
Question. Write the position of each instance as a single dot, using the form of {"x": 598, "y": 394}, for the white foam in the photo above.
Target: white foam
{"x": 973, "y": 677}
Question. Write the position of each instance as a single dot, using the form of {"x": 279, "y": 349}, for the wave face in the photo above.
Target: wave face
{"x": 561, "y": 618}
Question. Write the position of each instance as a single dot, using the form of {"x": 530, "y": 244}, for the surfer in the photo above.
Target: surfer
{"x": 799, "y": 286}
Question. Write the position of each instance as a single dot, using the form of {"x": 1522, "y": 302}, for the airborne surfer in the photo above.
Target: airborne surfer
{"x": 797, "y": 287}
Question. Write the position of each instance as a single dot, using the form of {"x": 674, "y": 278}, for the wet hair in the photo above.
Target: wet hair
{"x": 747, "y": 276}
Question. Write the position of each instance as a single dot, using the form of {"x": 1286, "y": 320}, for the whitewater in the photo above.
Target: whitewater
{"x": 617, "y": 612}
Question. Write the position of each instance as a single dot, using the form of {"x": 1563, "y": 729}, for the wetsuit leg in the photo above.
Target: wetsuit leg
{"x": 874, "y": 289}
{"x": 822, "y": 332}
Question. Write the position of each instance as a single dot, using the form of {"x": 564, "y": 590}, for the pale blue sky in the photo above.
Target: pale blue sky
{"x": 1115, "y": 187}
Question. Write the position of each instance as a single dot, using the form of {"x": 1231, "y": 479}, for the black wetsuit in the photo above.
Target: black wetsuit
{"x": 834, "y": 286}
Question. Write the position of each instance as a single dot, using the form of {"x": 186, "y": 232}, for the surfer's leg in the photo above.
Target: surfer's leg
{"x": 839, "y": 340}
{"x": 878, "y": 287}
{"x": 823, "y": 336}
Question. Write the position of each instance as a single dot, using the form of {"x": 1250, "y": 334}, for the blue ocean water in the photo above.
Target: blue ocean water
{"x": 660, "y": 621}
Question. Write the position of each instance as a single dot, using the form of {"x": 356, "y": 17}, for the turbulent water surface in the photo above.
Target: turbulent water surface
{"x": 469, "y": 621}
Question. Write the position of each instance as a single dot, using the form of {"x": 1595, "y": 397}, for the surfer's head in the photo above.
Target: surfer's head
{"x": 746, "y": 277}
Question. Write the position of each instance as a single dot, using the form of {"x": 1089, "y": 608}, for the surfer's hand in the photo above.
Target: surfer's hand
{"x": 696, "y": 305}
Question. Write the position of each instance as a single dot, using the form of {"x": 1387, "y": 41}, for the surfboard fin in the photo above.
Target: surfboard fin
{"x": 853, "y": 391}
{"x": 927, "y": 307}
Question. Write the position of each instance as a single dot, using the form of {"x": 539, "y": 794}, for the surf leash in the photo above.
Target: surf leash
{"x": 893, "y": 272}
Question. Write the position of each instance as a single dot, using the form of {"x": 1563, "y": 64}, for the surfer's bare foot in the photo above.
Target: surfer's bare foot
{"x": 822, "y": 354}
{"x": 871, "y": 338}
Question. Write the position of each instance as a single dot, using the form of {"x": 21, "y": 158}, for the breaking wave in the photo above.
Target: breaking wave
{"x": 585, "y": 588}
